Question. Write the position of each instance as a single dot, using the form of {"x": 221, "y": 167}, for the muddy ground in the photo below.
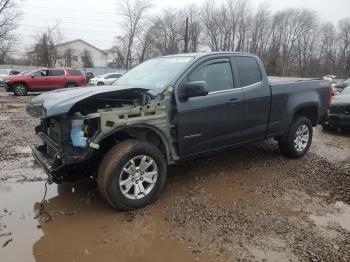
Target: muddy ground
{"x": 247, "y": 204}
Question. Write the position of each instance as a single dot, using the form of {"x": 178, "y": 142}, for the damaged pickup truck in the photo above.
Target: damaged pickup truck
{"x": 169, "y": 109}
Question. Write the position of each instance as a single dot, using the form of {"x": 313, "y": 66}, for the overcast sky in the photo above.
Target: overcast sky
{"x": 97, "y": 21}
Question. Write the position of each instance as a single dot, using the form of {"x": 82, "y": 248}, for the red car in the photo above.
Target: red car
{"x": 45, "y": 80}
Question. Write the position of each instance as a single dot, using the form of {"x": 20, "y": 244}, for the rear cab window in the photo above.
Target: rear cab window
{"x": 75, "y": 72}
{"x": 249, "y": 70}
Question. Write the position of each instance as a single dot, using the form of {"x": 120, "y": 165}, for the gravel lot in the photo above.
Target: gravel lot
{"x": 247, "y": 204}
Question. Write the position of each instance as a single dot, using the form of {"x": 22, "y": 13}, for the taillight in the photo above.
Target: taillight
{"x": 330, "y": 95}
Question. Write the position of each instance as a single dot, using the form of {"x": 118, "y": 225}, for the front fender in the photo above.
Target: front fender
{"x": 171, "y": 155}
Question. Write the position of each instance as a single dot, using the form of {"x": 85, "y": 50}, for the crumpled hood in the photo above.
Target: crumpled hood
{"x": 341, "y": 100}
{"x": 59, "y": 102}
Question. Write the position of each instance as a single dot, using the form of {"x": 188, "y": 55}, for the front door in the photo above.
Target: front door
{"x": 40, "y": 80}
{"x": 211, "y": 121}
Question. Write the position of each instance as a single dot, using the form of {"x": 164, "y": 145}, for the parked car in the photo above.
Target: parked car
{"x": 5, "y": 73}
{"x": 8, "y": 72}
{"x": 106, "y": 79}
{"x": 345, "y": 84}
{"x": 169, "y": 109}
{"x": 338, "y": 115}
{"x": 89, "y": 75}
{"x": 45, "y": 80}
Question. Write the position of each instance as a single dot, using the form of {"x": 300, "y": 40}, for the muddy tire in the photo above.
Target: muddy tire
{"x": 297, "y": 141}
{"x": 132, "y": 175}
{"x": 20, "y": 90}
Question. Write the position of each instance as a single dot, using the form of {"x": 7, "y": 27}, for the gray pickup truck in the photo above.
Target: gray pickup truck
{"x": 169, "y": 109}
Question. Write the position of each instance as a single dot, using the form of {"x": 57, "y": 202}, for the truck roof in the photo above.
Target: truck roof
{"x": 202, "y": 54}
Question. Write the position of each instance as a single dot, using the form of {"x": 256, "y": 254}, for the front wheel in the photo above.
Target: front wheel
{"x": 132, "y": 174}
{"x": 20, "y": 90}
{"x": 297, "y": 140}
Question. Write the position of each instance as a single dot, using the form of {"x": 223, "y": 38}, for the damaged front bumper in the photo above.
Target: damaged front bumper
{"x": 55, "y": 162}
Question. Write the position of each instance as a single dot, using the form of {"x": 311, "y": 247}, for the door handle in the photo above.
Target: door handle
{"x": 233, "y": 101}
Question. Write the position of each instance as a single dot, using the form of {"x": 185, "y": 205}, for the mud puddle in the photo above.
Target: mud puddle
{"x": 332, "y": 145}
{"x": 83, "y": 227}
{"x": 339, "y": 217}
{"x": 271, "y": 255}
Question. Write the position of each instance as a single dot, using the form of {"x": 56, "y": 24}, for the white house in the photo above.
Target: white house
{"x": 73, "y": 53}
{"x": 77, "y": 49}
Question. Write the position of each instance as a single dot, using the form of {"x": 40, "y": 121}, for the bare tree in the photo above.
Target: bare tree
{"x": 260, "y": 33}
{"x": 68, "y": 57}
{"x": 193, "y": 14}
{"x": 87, "y": 59}
{"x": 290, "y": 42}
{"x": 306, "y": 42}
{"x": 344, "y": 45}
{"x": 145, "y": 42}
{"x": 119, "y": 52}
{"x": 45, "y": 51}
{"x": 133, "y": 12}
{"x": 167, "y": 33}
{"x": 327, "y": 48}
{"x": 8, "y": 15}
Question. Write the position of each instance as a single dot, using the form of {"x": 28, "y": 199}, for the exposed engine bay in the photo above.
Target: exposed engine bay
{"x": 77, "y": 136}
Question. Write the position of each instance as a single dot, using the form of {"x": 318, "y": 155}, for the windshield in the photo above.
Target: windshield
{"x": 25, "y": 73}
{"x": 102, "y": 76}
{"x": 155, "y": 73}
{"x": 4, "y": 72}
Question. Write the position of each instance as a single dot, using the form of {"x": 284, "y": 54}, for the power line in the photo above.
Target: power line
{"x": 72, "y": 23}
{"x": 71, "y": 10}
{"x": 38, "y": 15}
{"x": 71, "y": 30}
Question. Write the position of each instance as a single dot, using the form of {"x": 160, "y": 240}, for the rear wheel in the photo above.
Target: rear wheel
{"x": 132, "y": 175}
{"x": 20, "y": 90}
{"x": 100, "y": 84}
{"x": 71, "y": 85}
{"x": 297, "y": 141}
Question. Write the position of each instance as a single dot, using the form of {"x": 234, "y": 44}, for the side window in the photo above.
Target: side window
{"x": 114, "y": 76}
{"x": 41, "y": 73}
{"x": 217, "y": 75}
{"x": 110, "y": 76}
{"x": 56, "y": 73}
{"x": 249, "y": 70}
{"x": 75, "y": 73}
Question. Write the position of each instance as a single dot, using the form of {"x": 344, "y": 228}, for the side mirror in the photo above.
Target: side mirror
{"x": 193, "y": 89}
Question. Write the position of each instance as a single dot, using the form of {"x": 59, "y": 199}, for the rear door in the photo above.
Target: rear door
{"x": 257, "y": 97}
{"x": 212, "y": 121}
{"x": 57, "y": 78}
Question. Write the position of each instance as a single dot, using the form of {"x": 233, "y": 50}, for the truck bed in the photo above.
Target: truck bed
{"x": 288, "y": 95}
{"x": 281, "y": 79}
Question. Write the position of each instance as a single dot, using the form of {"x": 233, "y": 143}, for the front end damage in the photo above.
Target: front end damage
{"x": 102, "y": 116}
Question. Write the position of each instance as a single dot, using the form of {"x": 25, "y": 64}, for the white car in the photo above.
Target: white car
{"x": 106, "y": 79}
{"x": 5, "y": 73}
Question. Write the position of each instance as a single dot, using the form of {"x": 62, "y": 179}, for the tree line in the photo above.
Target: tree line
{"x": 290, "y": 42}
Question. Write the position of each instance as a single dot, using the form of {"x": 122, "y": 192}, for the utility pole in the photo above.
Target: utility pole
{"x": 186, "y": 36}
